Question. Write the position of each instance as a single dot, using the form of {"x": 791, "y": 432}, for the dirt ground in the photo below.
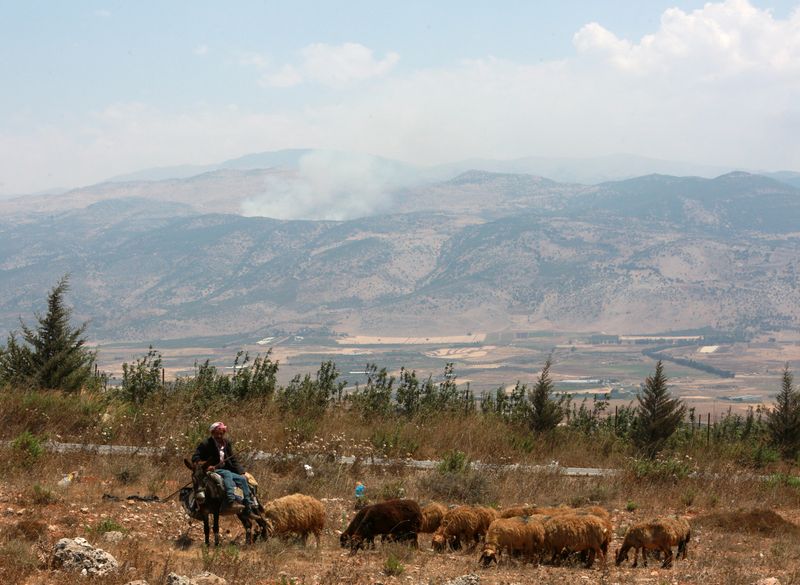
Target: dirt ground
{"x": 158, "y": 537}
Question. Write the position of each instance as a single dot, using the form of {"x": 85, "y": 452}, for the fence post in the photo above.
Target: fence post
{"x": 708, "y": 430}
{"x": 615, "y": 419}
{"x": 162, "y": 376}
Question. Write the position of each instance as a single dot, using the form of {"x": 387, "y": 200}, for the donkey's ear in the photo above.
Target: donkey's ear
{"x": 187, "y": 463}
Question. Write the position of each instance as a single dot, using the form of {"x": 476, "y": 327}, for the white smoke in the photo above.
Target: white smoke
{"x": 329, "y": 185}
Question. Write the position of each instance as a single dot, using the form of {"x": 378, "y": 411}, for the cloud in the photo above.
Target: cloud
{"x": 333, "y": 66}
{"x": 201, "y": 50}
{"x": 719, "y": 40}
{"x": 287, "y": 76}
{"x": 338, "y": 65}
{"x": 253, "y": 59}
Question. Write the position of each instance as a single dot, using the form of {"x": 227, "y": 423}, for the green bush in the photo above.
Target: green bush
{"x": 392, "y": 567}
{"x": 660, "y": 469}
{"x": 27, "y": 449}
{"x": 108, "y": 525}
{"x": 454, "y": 462}
{"x": 41, "y": 496}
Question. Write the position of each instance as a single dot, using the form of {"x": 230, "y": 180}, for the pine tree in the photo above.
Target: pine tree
{"x": 59, "y": 357}
{"x": 783, "y": 421}
{"x": 544, "y": 413}
{"x": 658, "y": 415}
{"x": 16, "y": 363}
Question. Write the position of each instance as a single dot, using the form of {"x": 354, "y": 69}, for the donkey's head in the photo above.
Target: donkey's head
{"x": 199, "y": 475}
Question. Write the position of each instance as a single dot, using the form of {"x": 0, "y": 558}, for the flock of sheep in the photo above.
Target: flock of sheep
{"x": 531, "y": 533}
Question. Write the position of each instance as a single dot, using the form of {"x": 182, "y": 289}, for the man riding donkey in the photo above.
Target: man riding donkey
{"x": 217, "y": 452}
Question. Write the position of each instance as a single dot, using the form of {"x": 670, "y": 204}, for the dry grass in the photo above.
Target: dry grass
{"x": 735, "y": 541}
{"x": 744, "y": 527}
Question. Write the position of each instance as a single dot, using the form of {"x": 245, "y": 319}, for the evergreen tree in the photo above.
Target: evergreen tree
{"x": 59, "y": 358}
{"x": 544, "y": 412}
{"x": 658, "y": 415}
{"x": 783, "y": 421}
{"x": 16, "y": 363}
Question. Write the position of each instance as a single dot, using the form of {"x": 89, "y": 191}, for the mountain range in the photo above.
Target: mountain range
{"x": 176, "y": 258}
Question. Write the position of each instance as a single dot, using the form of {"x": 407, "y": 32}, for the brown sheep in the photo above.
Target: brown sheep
{"x": 487, "y": 516}
{"x": 558, "y": 510}
{"x": 515, "y": 511}
{"x": 658, "y": 534}
{"x": 398, "y": 519}
{"x": 295, "y": 514}
{"x": 460, "y": 525}
{"x": 432, "y": 515}
{"x": 577, "y": 533}
{"x": 519, "y": 535}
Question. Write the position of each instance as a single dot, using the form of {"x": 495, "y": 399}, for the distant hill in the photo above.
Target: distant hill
{"x": 479, "y": 252}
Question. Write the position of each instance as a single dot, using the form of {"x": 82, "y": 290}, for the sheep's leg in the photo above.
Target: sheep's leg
{"x": 636, "y": 557}
{"x": 590, "y": 558}
{"x": 667, "y": 558}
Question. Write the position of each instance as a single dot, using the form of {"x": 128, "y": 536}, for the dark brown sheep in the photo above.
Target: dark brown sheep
{"x": 398, "y": 519}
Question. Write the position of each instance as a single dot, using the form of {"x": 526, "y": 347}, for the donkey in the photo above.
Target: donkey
{"x": 210, "y": 499}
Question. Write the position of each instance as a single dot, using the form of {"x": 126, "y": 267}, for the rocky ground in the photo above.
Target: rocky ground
{"x": 151, "y": 540}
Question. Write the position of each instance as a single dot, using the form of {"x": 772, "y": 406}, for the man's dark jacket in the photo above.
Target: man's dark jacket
{"x": 209, "y": 452}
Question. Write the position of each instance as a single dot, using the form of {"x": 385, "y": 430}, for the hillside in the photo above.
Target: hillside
{"x": 480, "y": 252}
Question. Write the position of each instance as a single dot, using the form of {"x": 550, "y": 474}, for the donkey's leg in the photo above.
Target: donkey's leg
{"x": 206, "y": 529}
{"x": 216, "y": 527}
{"x": 244, "y": 518}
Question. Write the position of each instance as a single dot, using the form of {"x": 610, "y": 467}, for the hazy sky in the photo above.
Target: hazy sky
{"x": 95, "y": 89}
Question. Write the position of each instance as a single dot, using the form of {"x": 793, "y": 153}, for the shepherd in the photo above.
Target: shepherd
{"x": 217, "y": 452}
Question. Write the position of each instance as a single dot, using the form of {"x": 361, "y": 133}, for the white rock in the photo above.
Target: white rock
{"x": 78, "y": 555}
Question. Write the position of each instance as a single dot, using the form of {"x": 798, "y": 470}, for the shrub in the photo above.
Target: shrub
{"x": 108, "y": 525}
{"x": 391, "y": 443}
{"x": 27, "y": 449}
{"x": 470, "y": 487}
{"x": 393, "y": 490}
{"x": 660, "y": 469}
{"x": 41, "y": 496}
{"x": 141, "y": 379}
{"x": 454, "y": 462}
{"x": 631, "y": 506}
{"x": 392, "y": 567}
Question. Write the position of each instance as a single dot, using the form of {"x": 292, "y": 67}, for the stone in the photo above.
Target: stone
{"x": 768, "y": 581}
{"x": 204, "y": 578}
{"x": 76, "y": 554}
{"x": 113, "y": 536}
{"x": 471, "y": 579}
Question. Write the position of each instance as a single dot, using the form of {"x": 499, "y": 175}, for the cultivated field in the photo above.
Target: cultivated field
{"x": 490, "y": 361}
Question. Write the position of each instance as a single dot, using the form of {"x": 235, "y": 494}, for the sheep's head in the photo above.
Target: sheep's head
{"x": 488, "y": 555}
{"x": 622, "y": 555}
{"x": 269, "y": 528}
{"x": 439, "y": 542}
